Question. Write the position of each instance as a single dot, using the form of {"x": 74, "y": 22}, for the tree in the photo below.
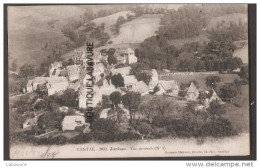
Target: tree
{"x": 116, "y": 98}
{"x": 117, "y": 80}
{"x": 145, "y": 77}
{"x": 14, "y": 66}
{"x": 161, "y": 106}
{"x": 202, "y": 96}
{"x": 106, "y": 102}
{"x": 103, "y": 26}
{"x": 121, "y": 20}
{"x": 244, "y": 73}
{"x": 111, "y": 59}
{"x": 228, "y": 92}
{"x": 147, "y": 109}
{"x": 26, "y": 71}
{"x": 129, "y": 17}
{"x": 144, "y": 129}
{"x": 69, "y": 98}
{"x": 138, "y": 68}
{"x": 215, "y": 109}
{"x": 232, "y": 63}
{"x": 211, "y": 81}
{"x": 104, "y": 130}
{"x": 118, "y": 115}
{"x": 111, "y": 51}
{"x": 131, "y": 101}
{"x": 44, "y": 68}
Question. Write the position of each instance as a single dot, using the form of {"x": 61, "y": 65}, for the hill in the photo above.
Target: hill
{"x": 31, "y": 27}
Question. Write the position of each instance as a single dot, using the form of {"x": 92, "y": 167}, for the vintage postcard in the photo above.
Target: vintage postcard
{"x": 128, "y": 81}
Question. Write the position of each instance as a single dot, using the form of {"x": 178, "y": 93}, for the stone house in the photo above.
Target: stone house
{"x": 169, "y": 88}
{"x": 125, "y": 56}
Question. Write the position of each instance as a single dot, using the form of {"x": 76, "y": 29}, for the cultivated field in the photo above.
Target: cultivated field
{"x": 139, "y": 29}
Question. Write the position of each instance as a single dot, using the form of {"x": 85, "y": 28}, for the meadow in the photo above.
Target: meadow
{"x": 139, "y": 29}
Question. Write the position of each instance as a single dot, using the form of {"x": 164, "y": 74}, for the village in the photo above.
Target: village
{"x": 75, "y": 77}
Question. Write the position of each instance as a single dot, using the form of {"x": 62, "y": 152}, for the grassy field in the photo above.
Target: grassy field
{"x": 110, "y": 20}
{"x": 235, "y": 17}
{"x": 138, "y": 30}
{"x": 200, "y": 78}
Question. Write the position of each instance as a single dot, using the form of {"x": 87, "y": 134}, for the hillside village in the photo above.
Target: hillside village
{"x": 75, "y": 77}
{"x": 147, "y": 90}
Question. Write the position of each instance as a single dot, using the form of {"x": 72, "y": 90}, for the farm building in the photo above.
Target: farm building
{"x": 141, "y": 88}
{"x": 169, "y": 88}
{"x": 193, "y": 92}
{"x": 56, "y": 85}
{"x": 71, "y": 122}
{"x": 129, "y": 81}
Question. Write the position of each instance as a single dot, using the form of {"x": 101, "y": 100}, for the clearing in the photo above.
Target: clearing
{"x": 139, "y": 29}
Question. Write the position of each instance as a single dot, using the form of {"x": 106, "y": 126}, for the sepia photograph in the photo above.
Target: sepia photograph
{"x": 95, "y": 81}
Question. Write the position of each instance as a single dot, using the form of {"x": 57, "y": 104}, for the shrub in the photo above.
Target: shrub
{"x": 58, "y": 140}
{"x": 219, "y": 127}
{"x": 182, "y": 128}
{"x": 144, "y": 128}
{"x": 160, "y": 121}
{"x": 159, "y": 133}
{"x": 82, "y": 138}
{"x": 129, "y": 135}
